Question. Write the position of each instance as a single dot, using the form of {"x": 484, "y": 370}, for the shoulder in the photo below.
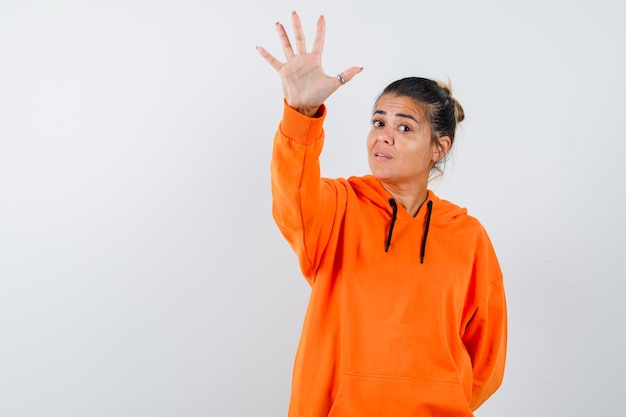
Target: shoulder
{"x": 446, "y": 213}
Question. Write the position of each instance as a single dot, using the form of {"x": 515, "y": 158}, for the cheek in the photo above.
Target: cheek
{"x": 370, "y": 140}
{"x": 419, "y": 153}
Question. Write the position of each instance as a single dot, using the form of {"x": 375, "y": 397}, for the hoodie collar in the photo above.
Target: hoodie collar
{"x": 433, "y": 211}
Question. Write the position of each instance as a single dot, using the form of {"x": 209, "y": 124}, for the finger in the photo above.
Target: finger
{"x": 276, "y": 64}
{"x": 320, "y": 35}
{"x": 284, "y": 41}
{"x": 298, "y": 33}
{"x": 348, "y": 75}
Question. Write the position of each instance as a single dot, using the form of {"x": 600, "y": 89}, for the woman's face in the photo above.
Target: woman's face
{"x": 400, "y": 150}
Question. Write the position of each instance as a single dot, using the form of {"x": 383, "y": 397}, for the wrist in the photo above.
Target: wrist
{"x": 309, "y": 111}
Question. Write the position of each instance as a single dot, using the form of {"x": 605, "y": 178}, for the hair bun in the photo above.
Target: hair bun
{"x": 459, "y": 113}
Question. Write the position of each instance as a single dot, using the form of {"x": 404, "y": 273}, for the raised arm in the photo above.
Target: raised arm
{"x": 305, "y": 207}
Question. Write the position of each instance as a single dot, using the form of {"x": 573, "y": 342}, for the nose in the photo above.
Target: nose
{"x": 385, "y": 136}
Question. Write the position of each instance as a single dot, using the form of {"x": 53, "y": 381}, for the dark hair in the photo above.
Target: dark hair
{"x": 442, "y": 111}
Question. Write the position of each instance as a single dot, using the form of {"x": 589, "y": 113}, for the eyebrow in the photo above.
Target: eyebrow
{"x": 408, "y": 116}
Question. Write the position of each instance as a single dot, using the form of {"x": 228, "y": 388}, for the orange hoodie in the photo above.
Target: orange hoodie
{"x": 386, "y": 333}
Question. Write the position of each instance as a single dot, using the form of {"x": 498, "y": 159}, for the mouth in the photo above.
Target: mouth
{"x": 381, "y": 156}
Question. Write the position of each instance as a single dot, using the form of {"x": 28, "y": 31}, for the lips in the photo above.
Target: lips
{"x": 381, "y": 155}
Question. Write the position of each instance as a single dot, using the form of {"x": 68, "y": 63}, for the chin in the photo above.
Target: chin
{"x": 374, "y": 173}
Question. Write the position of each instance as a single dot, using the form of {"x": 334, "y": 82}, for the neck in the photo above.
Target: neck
{"x": 410, "y": 199}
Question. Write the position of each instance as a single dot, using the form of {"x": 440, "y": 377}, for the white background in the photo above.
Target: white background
{"x": 141, "y": 273}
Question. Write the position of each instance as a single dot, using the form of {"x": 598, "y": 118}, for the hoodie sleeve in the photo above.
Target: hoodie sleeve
{"x": 485, "y": 336}
{"x": 304, "y": 205}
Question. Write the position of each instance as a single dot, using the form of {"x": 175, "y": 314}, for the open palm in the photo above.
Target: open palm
{"x": 305, "y": 84}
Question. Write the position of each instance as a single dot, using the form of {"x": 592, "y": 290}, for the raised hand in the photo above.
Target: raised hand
{"x": 305, "y": 84}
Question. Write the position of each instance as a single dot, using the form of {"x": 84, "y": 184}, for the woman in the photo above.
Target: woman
{"x": 407, "y": 311}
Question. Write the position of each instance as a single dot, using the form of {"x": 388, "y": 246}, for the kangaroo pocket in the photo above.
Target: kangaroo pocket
{"x": 364, "y": 395}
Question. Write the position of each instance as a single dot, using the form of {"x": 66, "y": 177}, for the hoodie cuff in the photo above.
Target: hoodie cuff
{"x": 300, "y": 128}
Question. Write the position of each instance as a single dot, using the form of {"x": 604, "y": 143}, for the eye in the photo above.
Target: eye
{"x": 404, "y": 128}
{"x": 377, "y": 123}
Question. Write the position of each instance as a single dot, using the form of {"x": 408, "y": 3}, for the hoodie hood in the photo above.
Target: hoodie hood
{"x": 434, "y": 211}
{"x": 443, "y": 211}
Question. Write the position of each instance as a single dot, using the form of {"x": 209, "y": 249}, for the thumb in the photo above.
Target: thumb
{"x": 348, "y": 75}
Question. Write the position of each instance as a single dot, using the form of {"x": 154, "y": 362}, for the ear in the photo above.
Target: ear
{"x": 441, "y": 148}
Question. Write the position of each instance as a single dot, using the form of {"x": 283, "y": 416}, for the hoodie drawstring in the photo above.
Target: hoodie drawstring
{"x": 394, "y": 207}
{"x": 426, "y": 227}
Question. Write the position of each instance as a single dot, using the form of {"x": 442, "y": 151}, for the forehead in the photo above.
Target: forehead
{"x": 392, "y": 104}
